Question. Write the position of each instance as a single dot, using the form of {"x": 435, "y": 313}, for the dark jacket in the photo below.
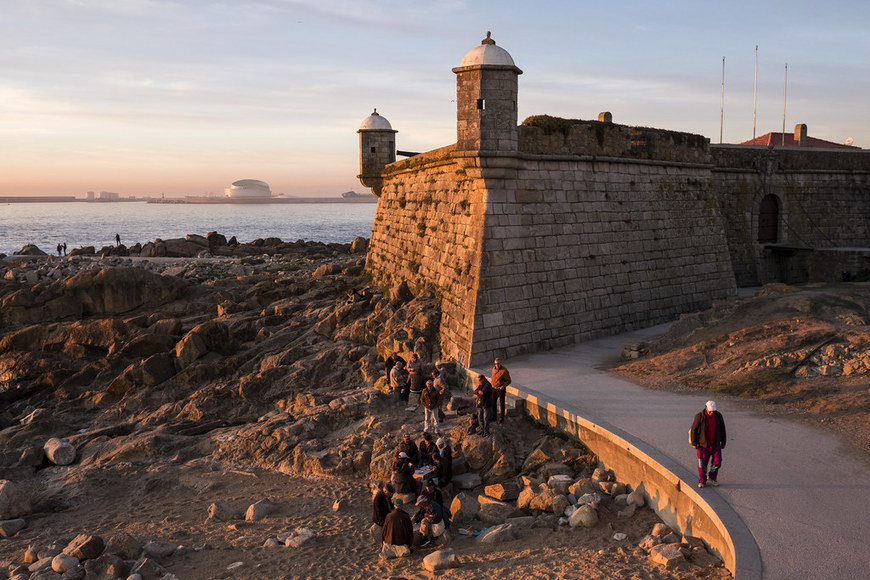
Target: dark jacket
{"x": 410, "y": 448}
{"x": 433, "y": 512}
{"x": 698, "y": 432}
{"x": 430, "y": 398}
{"x": 483, "y": 392}
{"x": 444, "y": 467}
{"x": 390, "y": 362}
{"x": 380, "y": 507}
{"x": 398, "y": 530}
{"x": 427, "y": 449}
{"x": 403, "y": 474}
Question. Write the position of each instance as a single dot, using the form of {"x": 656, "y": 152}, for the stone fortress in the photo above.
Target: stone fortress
{"x": 556, "y": 231}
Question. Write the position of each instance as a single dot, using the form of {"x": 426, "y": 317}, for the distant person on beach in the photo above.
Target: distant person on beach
{"x": 483, "y": 394}
{"x": 117, "y": 239}
{"x": 707, "y": 436}
{"x": 59, "y": 249}
{"x": 501, "y": 378}
{"x": 399, "y": 380}
{"x": 64, "y": 248}
{"x": 398, "y": 532}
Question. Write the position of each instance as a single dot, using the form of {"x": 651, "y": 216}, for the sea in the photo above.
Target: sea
{"x": 95, "y": 224}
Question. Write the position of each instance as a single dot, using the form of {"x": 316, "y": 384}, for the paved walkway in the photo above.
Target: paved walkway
{"x": 802, "y": 493}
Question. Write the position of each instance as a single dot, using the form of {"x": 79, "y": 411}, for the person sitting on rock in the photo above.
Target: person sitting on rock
{"x": 353, "y": 296}
{"x": 398, "y": 532}
{"x": 399, "y": 380}
{"x": 432, "y": 493}
{"x": 432, "y": 520}
{"x": 427, "y": 449}
{"x": 408, "y": 446}
{"x": 430, "y": 399}
{"x": 403, "y": 474}
{"x": 443, "y": 462}
{"x": 382, "y": 503}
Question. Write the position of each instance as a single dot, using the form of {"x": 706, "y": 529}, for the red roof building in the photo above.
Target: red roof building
{"x": 798, "y": 139}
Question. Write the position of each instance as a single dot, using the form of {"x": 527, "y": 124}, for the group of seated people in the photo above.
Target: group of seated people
{"x": 399, "y": 531}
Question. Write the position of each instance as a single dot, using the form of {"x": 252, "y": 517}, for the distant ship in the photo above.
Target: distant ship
{"x": 352, "y": 194}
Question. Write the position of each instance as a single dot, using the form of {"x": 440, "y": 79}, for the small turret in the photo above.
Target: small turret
{"x": 377, "y": 148}
{"x": 486, "y": 99}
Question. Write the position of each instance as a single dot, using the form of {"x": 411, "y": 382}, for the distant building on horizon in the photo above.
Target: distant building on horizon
{"x": 248, "y": 189}
{"x": 108, "y": 196}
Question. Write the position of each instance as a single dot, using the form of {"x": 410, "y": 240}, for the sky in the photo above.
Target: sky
{"x": 150, "y": 97}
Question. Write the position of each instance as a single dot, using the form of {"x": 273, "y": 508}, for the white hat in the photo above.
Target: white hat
{"x": 441, "y": 442}
{"x": 403, "y": 454}
{"x": 711, "y": 406}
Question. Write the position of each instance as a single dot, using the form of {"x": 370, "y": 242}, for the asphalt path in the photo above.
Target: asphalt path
{"x": 803, "y": 493}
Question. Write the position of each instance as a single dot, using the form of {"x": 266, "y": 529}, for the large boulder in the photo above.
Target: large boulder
{"x": 210, "y": 336}
{"x": 59, "y": 451}
{"x": 497, "y": 534}
{"x": 464, "y": 507}
{"x": 495, "y": 512}
{"x": 14, "y": 499}
{"x": 506, "y": 491}
{"x": 585, "y": 516}
{"x": 440, "y": 560}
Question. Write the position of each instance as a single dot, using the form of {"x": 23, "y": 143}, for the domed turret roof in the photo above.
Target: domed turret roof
{"x": 375, "y": 122}
{"x": 487, "y": 54}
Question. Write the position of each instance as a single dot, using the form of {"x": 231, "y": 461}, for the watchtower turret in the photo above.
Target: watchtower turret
{"x": 377, "y": 148}
{"x": 486, "y": 99}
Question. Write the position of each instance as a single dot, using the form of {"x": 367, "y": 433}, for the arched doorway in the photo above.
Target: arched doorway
{"x": 768, "y": 220}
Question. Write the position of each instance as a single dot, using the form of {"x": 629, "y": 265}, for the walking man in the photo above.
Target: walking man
{"x": 707, "y": 435}
{"x": 501, "y": 378}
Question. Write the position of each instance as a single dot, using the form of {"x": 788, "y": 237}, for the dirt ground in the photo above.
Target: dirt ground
{"x": 787, "y": 351}
{"x": 170, "y": 502}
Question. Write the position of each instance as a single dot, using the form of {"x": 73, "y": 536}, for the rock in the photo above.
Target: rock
{"x": 273, "y": 543}
{"x": 46, "y": 574}
{"x": 467, "y": 481}
{"x": 585, "y": 516}
{"x": 300, "y": 537}
{"x": 619, "y": 536}
{"x": 440, "y": 560}
{"x": 601, "y": 474}
{"x": 401, "y": 294}
{"x": 555, "y": 468}
{"x": 559, "y": 504}
{"x": 495, "y": 512}
{"x": 14, "y": 499}
{"x": 85, "y": 547}
{"x": 542, "y": 499}
{"x": 671, "y": 539}
{"x": 389, "y": 552}
{"x": 636, "y": 498}
{"x": 525, "y": 498}
{"x": 41, "y": 564}
{"x": 107, "y": 566}
{"x": 210, "y": 336}
{"x": 63, "y": 562}
{"x": 9, "y": 528}
{"x": 59, "y": 452}
{"x": 660, "y": 530}
{"x": 359, "y": 245}
{"x": 148, "y": 568}
{"x": 506, "y": 491}
{"x": 592, "y": 499}
{"x": 627, "y": 512}
{"x": 29, "y": 250}
{"x": 260, "y": 510}
{"x": 221, "y": 512}
{"x": 560, "y": 483}
{"x": 582, "y": 486}
{"x": 694, "y": 542}
{"x": 521, "y": 522}
{"x": 667, "y": 555}
{"x": 123, "y": 545}
{"x": 497, "y": 534}
{"x": 464, "y": 507}
{"x": 159, "y": 549}
{"x": 340, "y": 505}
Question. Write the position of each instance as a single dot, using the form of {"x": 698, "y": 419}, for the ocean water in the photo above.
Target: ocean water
{"x": 95, "y": 224}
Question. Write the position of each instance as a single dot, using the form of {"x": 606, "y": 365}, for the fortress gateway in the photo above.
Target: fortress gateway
{"x": 557, "y": 230}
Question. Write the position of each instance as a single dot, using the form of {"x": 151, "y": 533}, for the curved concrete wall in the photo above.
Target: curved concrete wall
{"x": 644, "y": 468}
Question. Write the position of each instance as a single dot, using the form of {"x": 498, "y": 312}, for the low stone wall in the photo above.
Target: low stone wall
{"x": 644, "y": 468}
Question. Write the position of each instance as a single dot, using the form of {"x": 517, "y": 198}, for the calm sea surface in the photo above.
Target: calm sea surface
{"x": 95, "y": 224}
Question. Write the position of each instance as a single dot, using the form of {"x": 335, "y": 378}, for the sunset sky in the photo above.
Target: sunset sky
{"x": 145, "y": 97}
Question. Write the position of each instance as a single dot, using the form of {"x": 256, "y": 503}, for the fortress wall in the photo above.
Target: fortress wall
{"x": 823, "y": 204}
{"x": 427, "y": 228}
{"x": 576, "y": 248}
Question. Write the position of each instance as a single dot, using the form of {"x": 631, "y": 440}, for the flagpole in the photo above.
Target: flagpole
{"x": 784, "y": 93}
{"x": 722, "y": 103}
{"x": 755, "y": 93}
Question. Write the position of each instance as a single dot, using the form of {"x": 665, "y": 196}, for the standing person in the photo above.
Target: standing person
{"x": 707, "y": 435}
{"x": 59, "y": 249}
{"x": 64, "y": 248}
{"x": 501, "y": 378}
{"x": 117, "y": 239}
{"x": 399, "y": 380}
{"x": 440, "y": 381}
{"x": 391, "y": 361}
{"x": 443, "y": 462}
{"x": 415, "y": 373}
{"x": 430, "y": 399}
{"x": 483, "y": 393}
{"x": 398, "y": 532}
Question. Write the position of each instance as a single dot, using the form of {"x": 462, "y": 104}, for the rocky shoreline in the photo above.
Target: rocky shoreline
{"x": 236, "y": 375}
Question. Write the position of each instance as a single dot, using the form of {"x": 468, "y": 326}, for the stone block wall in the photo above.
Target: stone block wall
{"x": 823, "y": 204}
{"x": 577, "y": 248}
